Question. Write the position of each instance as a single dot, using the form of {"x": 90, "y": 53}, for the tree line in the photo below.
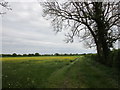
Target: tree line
{"x": 37, "y": 54}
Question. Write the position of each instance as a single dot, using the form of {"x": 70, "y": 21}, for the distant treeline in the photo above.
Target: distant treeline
{"x": 37, "y": 54}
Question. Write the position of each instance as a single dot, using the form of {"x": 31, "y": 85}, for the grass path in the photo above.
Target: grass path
{"x": 65, "y": 72}
{"x": 82, "y": 74}
{"x": 58, "y": 76}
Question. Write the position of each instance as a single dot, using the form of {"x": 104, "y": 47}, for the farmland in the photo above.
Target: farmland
{"x": 56, "y": 72}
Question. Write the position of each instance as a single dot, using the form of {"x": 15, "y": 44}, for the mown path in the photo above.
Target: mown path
{"x": 83, "y": 74}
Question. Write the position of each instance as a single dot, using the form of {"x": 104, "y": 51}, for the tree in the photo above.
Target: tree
{"x": 31, "y": 55}
{"x": 37, "y": 54}
{"x": 4, "y": 5}
{"x": 93, "y": 22}
{"x": 25, "y": 55}
{"x": 56, "y": 54}
{"x": 14, "y": 54}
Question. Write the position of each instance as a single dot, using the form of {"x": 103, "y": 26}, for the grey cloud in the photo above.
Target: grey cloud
{"x": 26, "y": 31}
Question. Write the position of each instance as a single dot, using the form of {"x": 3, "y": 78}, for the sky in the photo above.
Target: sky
{"x": 25, "y": 30}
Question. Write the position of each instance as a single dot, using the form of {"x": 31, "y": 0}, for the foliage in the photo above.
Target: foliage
{"x": 37, "y": 54}
{"x": 14, "y": 54}
{"x": 113, "y": 58}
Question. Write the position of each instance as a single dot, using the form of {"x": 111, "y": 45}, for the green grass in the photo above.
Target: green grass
{"x": 56, "y": 72}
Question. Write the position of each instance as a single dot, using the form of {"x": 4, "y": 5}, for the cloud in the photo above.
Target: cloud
{"x": 26, "y": 31}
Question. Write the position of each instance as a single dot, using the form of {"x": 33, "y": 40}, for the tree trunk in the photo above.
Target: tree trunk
{"x": 102, "y": 49}
{"x": 101, "y": 34}
{"x": 106, "y": 51}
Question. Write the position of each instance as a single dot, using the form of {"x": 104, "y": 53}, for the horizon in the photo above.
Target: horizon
{"x": 47, "y": 53}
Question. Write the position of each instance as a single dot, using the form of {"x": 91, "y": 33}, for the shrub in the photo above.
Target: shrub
{"x": 113, "y": 58}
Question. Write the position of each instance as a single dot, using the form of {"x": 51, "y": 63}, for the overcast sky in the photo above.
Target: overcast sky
{"x": 24, "y": 30}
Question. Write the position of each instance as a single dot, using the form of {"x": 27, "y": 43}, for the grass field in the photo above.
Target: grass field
{"x": 56, "y": 72}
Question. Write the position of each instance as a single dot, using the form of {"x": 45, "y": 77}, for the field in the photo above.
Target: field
{"x": 56, "y": 72}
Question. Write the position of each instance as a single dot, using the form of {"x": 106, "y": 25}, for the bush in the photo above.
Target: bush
{"x": 114, "y": 59}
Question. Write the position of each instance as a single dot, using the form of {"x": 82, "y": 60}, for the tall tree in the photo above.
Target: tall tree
{"x": 93, "y": 22}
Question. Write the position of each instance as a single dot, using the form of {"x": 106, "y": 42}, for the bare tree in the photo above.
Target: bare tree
{"x": 4, "y": 5}
{"x": 93, "y": 22}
